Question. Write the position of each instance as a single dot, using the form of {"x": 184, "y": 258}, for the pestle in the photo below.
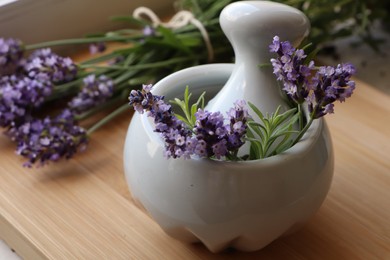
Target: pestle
{"x": 250, "y": 27}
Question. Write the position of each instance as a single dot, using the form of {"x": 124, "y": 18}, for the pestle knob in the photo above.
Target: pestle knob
{"x": 250, "y": 27}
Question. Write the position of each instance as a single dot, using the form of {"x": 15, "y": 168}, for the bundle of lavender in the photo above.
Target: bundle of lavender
{"x": 200, "y": 133}
{"x": 33, "y": 78}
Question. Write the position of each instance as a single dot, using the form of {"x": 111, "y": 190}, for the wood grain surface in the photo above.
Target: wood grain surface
{"x": 82, "y": 209}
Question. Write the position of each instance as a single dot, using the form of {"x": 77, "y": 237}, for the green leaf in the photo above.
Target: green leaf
{"x": 188, "y": 109}
{"x": 255, "y": 150}
{"x": 256, "y": 110}
{"x": 258, "y": 128}
{"x": 268, "y": 132}
{"x": 170, "y": 39}
{"x": 280, "y": 118}
{"x": 183, "y": 119}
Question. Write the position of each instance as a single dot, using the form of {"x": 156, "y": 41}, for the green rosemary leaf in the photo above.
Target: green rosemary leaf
{"x": 284, "y": 146}
{"x": 256, "y": 110}
{"x": 201, "y": 100}
{"x": 187, "y": 96}
{"x": 280, "y": 118}
{"x": 258, "y": 128}
{"x": 170, "y": 39}
{"x": 194, "y": 108}
{"x": 255, "y": 150}
{"x": 183, "y": 119}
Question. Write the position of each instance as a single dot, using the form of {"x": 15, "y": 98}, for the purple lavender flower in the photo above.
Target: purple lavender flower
{"x": 58, "y": 68}
{"x": 289, "y": 68}
{"x": 20, "y": 93}
{"x": 116, "y": 60}
{"x": 11, "y": 52}
{"x": 143, "y": 99}
{"x": 50, "y": 139}
{"x": 221, "y": 139}
{"x": 210, "y": 128}
{"x": 94, "y": 92}
{"x": 331, "y": 84}
{"x": 97, "y": 47}
{"x": 211, "y": 136}
{"x": 319, "y": 87}
{"x": 238, "y": 116}
{"x": 178, "y": 139}
{"x": 148, "y": 31}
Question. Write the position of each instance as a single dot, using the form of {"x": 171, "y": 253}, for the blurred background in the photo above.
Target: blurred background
{"x": 43, "y": 20}
{"x": 357, "y": 31}
{"x": 349, "y": 30}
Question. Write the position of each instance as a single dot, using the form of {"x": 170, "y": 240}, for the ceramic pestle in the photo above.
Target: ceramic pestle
{"x": 250, "y": 27}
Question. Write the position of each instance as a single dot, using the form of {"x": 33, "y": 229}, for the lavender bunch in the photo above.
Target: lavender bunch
{"x": 59, "y": 69}
{"x": 178, "y": 139}
{"x": 43, "y": 84}
{"x": 19, "y": 94}
{"x": 27, "y": 84}
{"x": 30, "y": 81}
{"x": 205, "y": 134}
{"x": 304, "y": 83}
{"x": 37, "y": 84}
{"x": 49, "y": 139}
{"x": 94, "y": 92}
{"x": 11, "y": 51}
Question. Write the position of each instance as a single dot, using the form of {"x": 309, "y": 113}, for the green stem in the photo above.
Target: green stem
{"x": 108, "y": 118}
{"x": 81, "y": 41}
{"x": 156, "y": 64}
{"x": 100, "y": 58}
{"x": 303, "y": 131}
{"x": 124, "y": 77}
{"x": 99, "y": 108}
{"x": 300, "y": 118}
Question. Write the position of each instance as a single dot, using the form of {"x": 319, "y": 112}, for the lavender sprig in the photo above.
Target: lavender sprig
{"x": 291, "y": 70}
{"x": 98, "y": 47}
{"x": 11, "y": 52}
{"x": 49, "y": 139}
{"x": 320, "y": 87}
{"x": 94, "y": 92}
{"x": 208, "y": 137}
{"x": 18, "y": 94}
{"x": 58, "y": 68}
{"x": 330, "y": 84}
{"x": 178, "y": 139}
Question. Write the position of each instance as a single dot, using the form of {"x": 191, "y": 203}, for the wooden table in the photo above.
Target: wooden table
{"x": 82, "y": 209}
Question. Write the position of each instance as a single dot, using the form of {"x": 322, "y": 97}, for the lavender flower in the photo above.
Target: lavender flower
{"x": 210, "y": 128}
{"x": 98, "y": 47}
{"x": 11, "y": 52}
{"x": 320, "y": 87}
{"x": 289, "y": 68}
{"x": 211, "y": 137}
{"x": 41, "y": 141}
{"x": 220, "y": 139}
{"x": 58, "y": 68}
{"x": 20, "y": 93}
{"x": 94, "y": 92}
{"x": 238, "y": 116}
{"x": 178, "y": 139}
{"x": 148, "y": 31}
{"x": 143, "y": 99}
{"x": 331, "y": 84}
{"x": 116, "y": 60}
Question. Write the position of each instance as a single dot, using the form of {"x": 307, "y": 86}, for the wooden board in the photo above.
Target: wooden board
{"x": 82, "y": 209}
